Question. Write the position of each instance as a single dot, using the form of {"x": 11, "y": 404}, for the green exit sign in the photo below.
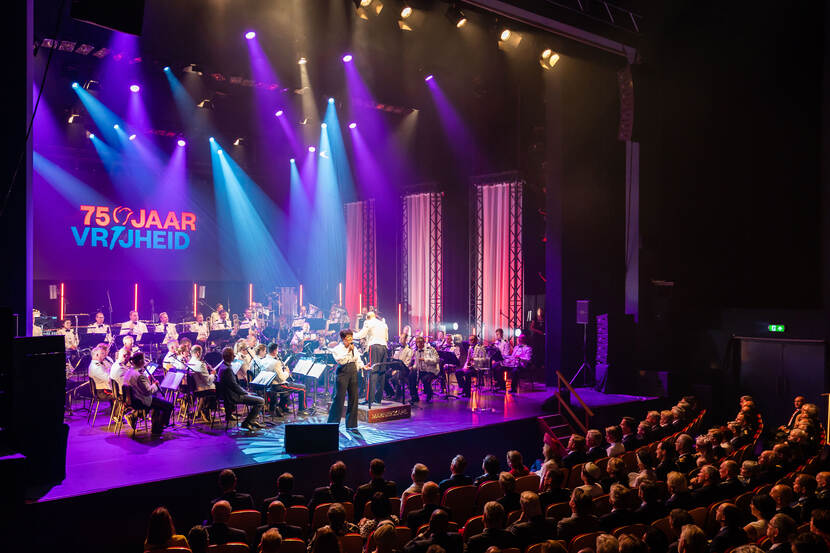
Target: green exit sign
{"x": 776, "y": 328}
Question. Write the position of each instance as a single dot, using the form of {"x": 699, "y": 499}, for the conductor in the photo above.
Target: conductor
{"x": 348, "y": 360}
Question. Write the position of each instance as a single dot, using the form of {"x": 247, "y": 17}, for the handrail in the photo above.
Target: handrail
{"x": 563, "y": 403}
{"x": 561, "y": 378}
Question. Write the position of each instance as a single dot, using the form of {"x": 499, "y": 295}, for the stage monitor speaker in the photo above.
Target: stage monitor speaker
{"x": 312, "y": 438}
{"x": 582, "y": 311}
{"x": 126, "y": 16}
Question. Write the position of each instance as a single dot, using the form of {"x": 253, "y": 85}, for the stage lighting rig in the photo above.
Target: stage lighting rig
{"x": 548, "y": 59}
{"x": 92, "y": 86}
{"x": 207, "y": 103}
{"x": 509, "y": 39}
{"x": 238, "y": 141}
{"x": 456, "y": 16}
{"x": 406, "y": 11}
{"x": 194, "y": 68}
{"x": 72, "y": 117}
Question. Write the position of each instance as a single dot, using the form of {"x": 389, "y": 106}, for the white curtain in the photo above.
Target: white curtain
{"x": 357, "y": 233}
{"x": 496, "y": 221}
{"x": 419, "y": 251}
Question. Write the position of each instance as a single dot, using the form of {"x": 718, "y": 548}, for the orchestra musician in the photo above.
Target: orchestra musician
{"x": 214, "y": 317}
{"x": 282, "y": 385}
{"x": 169, "y": 330}
{"x": 348, "y": 360}
{"x": 501, "y": 344}
{"x": 401, "y": 375}
{"x": 476, "y": 358}
{"x": 425, "y": 368}
{"x": 145, "y": 393}
{"x": 242, "y": 360}
{"x": 200, "y": 327}
{"x": 234, "y": 393}
{"x": 99, "y": 372}
{"x": 70, "y": 337}
{"x": 222, "y": 322}
{"x": 173, "y": 359}
{"x": 134, "y": 327}
{"x": 122, "y": 360}
{"x": 99, "y": 327}
{"x": 514, "y": 363}
{"x": 247, "y": 322}
{"x": 376, "y": 334}
{"x": 300, "y": 336}
{"x": 204, "y": 379}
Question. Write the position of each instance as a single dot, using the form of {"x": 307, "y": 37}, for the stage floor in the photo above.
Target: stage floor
{"x": 98, "y": 460}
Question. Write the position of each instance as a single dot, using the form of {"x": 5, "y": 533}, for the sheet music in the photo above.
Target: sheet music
{"x": 264, "y": 378}
{"x": 303, "y": 366}
{"x": 316, "y": 370}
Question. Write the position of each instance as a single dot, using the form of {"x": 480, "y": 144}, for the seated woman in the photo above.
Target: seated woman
{"x": 161, "y": 533}
{"x": 762, "y": 508}
{"x": 380, "y": 511}
{"x": 645, "y": 469}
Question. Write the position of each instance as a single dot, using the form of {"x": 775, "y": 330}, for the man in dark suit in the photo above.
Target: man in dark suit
{"x": 651, "y": 507}
{"x": 665, "y": 460}
{"x": 458, "y": 467}
{"x": 532, "y": 526}
{"x": 629, "y": 431}
{"x": 685, "y": 458}
{"x": 582, "y": 519}
{"x": 510, "y": 500}
{"x": 227, "y": 485}
{"x": 783, "y": 496}
{"x": 596, "y": 445}
{"x": 219, "y": 532}
{"x": 336, "y": 491}
{"x": 233, "y": 393}
{"x": 779, "y": 530}
{"x": 730, "y": 534}
{"x": 285, "y": 485}
{"x": 706, "y": 486}
{"x": 494, "y": 533}
{"x": 576, "y": 452}
{"x": 620, "y": 498}
{"x": 145, "y": 394}
{"x": 276, "y": 519}
{"x": 437, "y": 534}
{"x": 806, "y": 501}
{"x": 729, "y": 485}
{"x": 491, "y": 468}
{"x": 431, "y": 495}
{"x": 377, "y": 483}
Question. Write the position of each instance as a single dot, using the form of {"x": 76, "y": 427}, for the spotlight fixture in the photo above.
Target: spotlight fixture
{"x": 323, "y": 125}
{"x": 181, "y": 142}
{"x": 194, "y": 68}
{"x": 219, "y": 151}
{"x": 429, "y": 77}
{"x": 456, "y": 16}
{"x": 207, "y": 103}
{"x": 406, "y": 12}
{"x": 291, "y": 160}
{"x": 90, "y": 135}
{"x": 364, "y": 3}
{"x": 72, "y": 117}
{"x": 352, "y": 125}
{"x": 548, "y": 59}
{"x": 134, "y": 88}
{"x": 278, "y": 113}
{"x": 331, "y": 100}
{"x": 167, "y": 68}
{"x": 505, "y": 35}
{"x": 250, "y": 35}
{"x": 132, "y": 137}
{"x": 211, "y": 139}
{"x": 302, "y": 61}
{"x": 311, "y": 149}
{"x": 509, "y": 39}
{"x": 92, "y": 85}
{"x": 347, "y": 58}
{"x": 238, "y": 141}
{"x": 116, "y": 127}
{"x": 75, "y": 85}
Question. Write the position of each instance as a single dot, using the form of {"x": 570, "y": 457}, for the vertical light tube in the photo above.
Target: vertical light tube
{"x": 399, "y": 319}
{"x": 61, "y": 309}
{"x": 359, "y": 305}
{"x": 301, "y": 296}
{"x": 135, "y": 297}
{"x": 195, "y": 289}
{"x": 250, "y": 294}
{"x": 340, "y": 294}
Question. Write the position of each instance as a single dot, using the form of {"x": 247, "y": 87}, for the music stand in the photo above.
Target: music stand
{"x": 315, "y": 372}
{"x": 90, "y": 340}
{"x": 172, "y": 380}
{"x": 264, "y": 379}
{"x": 190, "y": 336}
{"x": 303, "y": 365}
{"x": 448, "y": 358}
{"x": 317, "y": 323}
{"x": 220, "y": 335}
{"x": 151, "y": 341}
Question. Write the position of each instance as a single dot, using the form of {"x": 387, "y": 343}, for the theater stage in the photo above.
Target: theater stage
{"x": 98, "y": 460}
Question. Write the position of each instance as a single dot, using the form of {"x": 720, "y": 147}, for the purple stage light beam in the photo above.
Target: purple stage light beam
{"x": 459, "y": 137}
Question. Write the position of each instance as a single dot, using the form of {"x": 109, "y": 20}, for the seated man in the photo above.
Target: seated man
{"x": 282, "y": 384}
{"x": 336, "y": 492}
{"x": 100, "y": 374}
{"x": 516, "y": 362}
{"x": 377, "y": 484}
{"x": 491, "y": 467}
{"x": 458, "y": 476}
{"x": 510, "y": 500}
{"x": 437, "y": 534}
{"x": 477, "y": 358}
{"x": 596, "y": 445}
{"x": 400, "y": 374}
{"x": 219, "y": 532}
{"x": 432, "y": 501}
{"x": 285, "y": 487}
{"x": 424, "y": 368}
{"x": 276, "y": 519}
{"x": 419, "y": 475}
{"x": 582, "y": 519}
{"x": 494, "y": 533}
{"x": 620, "y": 500}
{"x": 731, "y": 533}
{"x": 145, "y": 395}
{"x": 234, "y": 393}
{"x": 227, "y": 486}
{"x": 576, "y": 452}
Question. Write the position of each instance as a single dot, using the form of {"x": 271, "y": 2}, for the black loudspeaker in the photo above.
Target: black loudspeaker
{"x": 126, "y": 16}
{"x": 312, "y": 438}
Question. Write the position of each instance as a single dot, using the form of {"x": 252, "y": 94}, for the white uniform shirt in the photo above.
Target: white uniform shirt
{"x": 201, "y": 329}
{"x": 278, "y": 367}
{"x": 70, "y": 339}
{"x": 342, "y": 355}
{"x": 375, "y": 331}
{"x": 170, "y": 332}
{"x": 138, "y": 329}
{"x": 521, "y": 353}
{"x": 245, "y": 324}
{"x": 202, "y": 378}
{"x": 404, "y": 355}
{"x": 96, "y": 328}
{"x": 172, "y": 361}
{"x": 426, "y": 359}
{"x": 118, "y": 371}
{"x": 504, "y": 347}
{"x": 221, "y": 324}
{"x": 99, "y": 374}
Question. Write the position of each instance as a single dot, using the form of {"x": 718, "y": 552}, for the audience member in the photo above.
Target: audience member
{"x": 606, "y": 543}
{"x": 161, "y": 533}
{"x": 729, "y": 485}
{"x": 596, "y": 445}
{"x": 628, "y": 426}
{"x": 679, "y": 495}
{"x": 491, "y": 467}
{"x": 656, "y": 541}
{"x": 458, "y": 476}
{"x": 685, "y": 457}
{"x": 645, "y": 467}
{"x": 665, "y": 460}
{"x": 219, "y": 532}
{"x": 590, "y": 476}
{"x": 437, "y": 534}
{"x": 197, "y": 538}
{"x": 325, "y": 541}
{"x": 552, "y": 490}
{"x": 377, "y": 483}
{"x": 779, "y": 530}
{"x": 806, "y": 542}
{"x": 336, "y": 492}
{"x": 227, "y": 486}
{"x": 748, "y": 476}
{"x": 705, "y": 484}
{"x": 510, "y": 499}
{"x": 762, "y": 508}
{"x": 617, "y": 474}
{"x": 494, "y": 533}
{"x": 678, "y": 518}
{"x": 432, "y": 501}
{"x": 285, "y": 487}
{"x": 621, "y": 513}
{"x": 553, "y": 546}
{"x": 384, "y": 537}
{"x": 613, "y": 435}
{"x": 576, "y": 452}
{"x": 631, "y": 544}
{"x": 692, "y": 540}
{"x": 516, "y": 464}
{"x": 582, "y": 519}
{"x": 730, "y": 534}
{"x": 651, "y": 508}
{"x": 420, "y": 474}
{"x": 532, "y": 526}
{"x": 380, "y": 513}
{"x": 820, "y": 524}
{"x": 270, "y": 541}
{"x": 275, "y": 519}
{"x": 804, "y": 488}
{"x": 783, "y": 496}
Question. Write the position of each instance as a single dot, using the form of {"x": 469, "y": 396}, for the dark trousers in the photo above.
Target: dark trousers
{"x": 427, "y": 379}
{"x": 160, "y": 409}
{"x": 345, "y": 385}
{"x": 401, "y": 378}
{"x": 512, "y": 372}
{"x": 255, "y": 402}
{"x": 289, "y": 387}
{"x": 377, "y": 378}
{"x": 465, "y": 379}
